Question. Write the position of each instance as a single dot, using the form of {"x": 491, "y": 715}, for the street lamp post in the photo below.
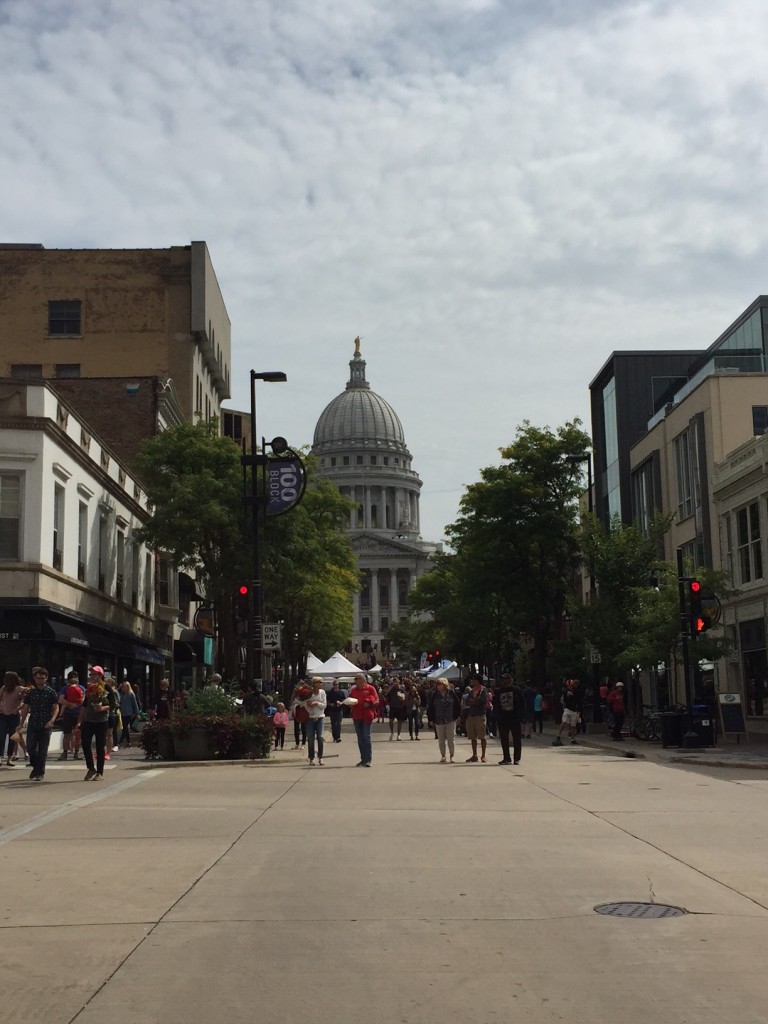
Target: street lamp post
{"x": 597, "y": 713}
{"x": 257, "y": 462}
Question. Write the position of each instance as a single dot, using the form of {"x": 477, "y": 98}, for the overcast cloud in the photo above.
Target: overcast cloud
{"x": 494, "y": 195}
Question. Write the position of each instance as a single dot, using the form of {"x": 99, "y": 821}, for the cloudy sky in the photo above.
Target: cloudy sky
{"x": 495, "y": 195}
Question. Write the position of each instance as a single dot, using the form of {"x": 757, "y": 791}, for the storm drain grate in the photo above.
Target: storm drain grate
{"x": 646, "y": 910}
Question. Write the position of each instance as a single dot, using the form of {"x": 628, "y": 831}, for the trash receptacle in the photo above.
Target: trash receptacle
{"x": 703, "y": 724}
{"x": 671, "y": 729}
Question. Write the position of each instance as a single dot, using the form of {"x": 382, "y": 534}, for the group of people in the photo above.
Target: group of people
{"x": 95, "y": 718}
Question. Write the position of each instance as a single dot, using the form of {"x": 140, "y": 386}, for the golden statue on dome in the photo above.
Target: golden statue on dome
{"x": 357, "y": 345}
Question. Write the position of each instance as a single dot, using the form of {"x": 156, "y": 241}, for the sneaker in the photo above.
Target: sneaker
{"x": 320, "y": 762}
{"x": 391, "y": 737}
{"x": 506, "y": 762}
{"x": 39, "y": 778}
{"x": 517, "y": 762}
{"x": 398, "y": 739}
{"x": 417, "y": 738}
{"x": 89, "y": 774}
{"x": 63, "y": 756}
{"x": 473, "y": 758}
{"x": 360, "y": 764}
{"x": 76, "y": 756}
{"x": 366, "y": 764}
{"x": 98, "y": 777}
{"x": 442, "y": 760}
{"x": 114, "y": 749}
{"x": 482, "y": 758}
{"x": 452, "y": 761}
{"x": 557, "y": 743}
{"x": 574, "y": 743}
{"x": 312, "y": 762}
{"x": 33, "y": 774}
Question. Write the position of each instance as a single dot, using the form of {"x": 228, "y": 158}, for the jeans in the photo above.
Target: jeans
{"x": 279, "y": 741}
{"x": 87, "y": 732}
{"x": 363, "y": 730}
{"x": 336, "y": 715}
{"x": 38, "y": 738}
{"x": 414, "y": 721}
{"x": 315, "y": 732}
{"x": 505, "y": 728}
{"x": 8, "y": 726}
{"x": 618, "y": 722}
{"x": 445, "y": 734}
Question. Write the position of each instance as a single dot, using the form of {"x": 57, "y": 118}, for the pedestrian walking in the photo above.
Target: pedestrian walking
{"x": 11, "y": 699}
{"x": 316, "y": 705}
{"x": 571, "y": 702}
{"x": 70, "y": 698}
{"x": 529, "y": 716}
{"x": 336, "y": 697}
{"x": 129, "y": 710}
{"x": 94, "y": 722}
{"x": 41, "y": 707}
{"x": 413, "y": 710}
{"x": 300, "y": 714}
{"x": 443, "y": 709}
{"x": 363, "y": 714}
{"x": 280, "y": 722}
{"x": 476, "y": 706}
{"x": 615, "y": 701}
{"x": 538, "y": 712}
{"x": 397, "y": 708}
{"x": 509, "y": 702}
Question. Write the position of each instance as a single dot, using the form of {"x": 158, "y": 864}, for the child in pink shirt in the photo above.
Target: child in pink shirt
{"x": 280, "y": 720}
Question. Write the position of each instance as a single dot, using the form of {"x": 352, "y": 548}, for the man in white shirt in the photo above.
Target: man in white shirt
{"x": 315, "y": 705}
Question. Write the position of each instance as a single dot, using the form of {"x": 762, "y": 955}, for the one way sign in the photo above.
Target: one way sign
{"x": 270, "y": 636}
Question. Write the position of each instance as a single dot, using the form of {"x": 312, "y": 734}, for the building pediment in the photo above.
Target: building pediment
{"x": 370, "y": 544}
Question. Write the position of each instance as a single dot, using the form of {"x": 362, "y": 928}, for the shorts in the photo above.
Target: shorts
{"x": 476, "y": 727}
{"x": 571, "y": 718}
{"x": 69, "y": 721}
{"x": 397, "y": 714}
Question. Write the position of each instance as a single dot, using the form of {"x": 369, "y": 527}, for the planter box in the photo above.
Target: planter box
{"x": 193, "y": 746}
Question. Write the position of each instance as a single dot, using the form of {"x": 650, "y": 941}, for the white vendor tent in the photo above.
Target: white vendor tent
{"x": 314, "y": 665}
{"x": 452, "y": 672}
{"x": 337, "y": 665}
{"x": 375, "y": 671}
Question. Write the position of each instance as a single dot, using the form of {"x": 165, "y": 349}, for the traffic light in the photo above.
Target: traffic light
{"x": 243, "y": 601}
{"x": 437, "y": 657}
{"x": 699, "y": 622}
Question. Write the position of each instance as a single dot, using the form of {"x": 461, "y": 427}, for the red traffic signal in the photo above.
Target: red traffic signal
{"x": 243, "y": 601}
{"x": 695, "y": 587}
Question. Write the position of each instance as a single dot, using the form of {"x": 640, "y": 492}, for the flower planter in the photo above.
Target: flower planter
{"x": 193, "y": 745}
{"x": 165, "y": 746}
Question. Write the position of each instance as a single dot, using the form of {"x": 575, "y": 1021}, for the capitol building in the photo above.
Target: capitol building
{"x": 360, "y": 447}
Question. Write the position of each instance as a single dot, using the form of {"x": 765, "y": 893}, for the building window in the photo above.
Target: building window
{"x": 120, "y": 577}
{"x": 10, "y": 517}
{"x": 402, "y": 593}
{"x": 163, "y": 584}
{"x": 759, "y": 419}
{"x": 386, "y": 460}
{"x": 64, "y": 318}
{"x": 58, "y": 526}
{"x": 233, "y": 426}
{"x": 374, "y": 516}
{"x": 68, "y": 371}
{"x": 360, "y": 516}
{"x": 149, "y": 584}
{"x": 27, "y": 371}
{"x": 359, "y": 460}
{"x": 82, "y": 540}
{"x": 135, "y": 575}
{"x": 365, "y": 624}
{"x": 365, "y": 594}
{"x": 683, "y": 467}
{"x": 384, "y": 623}
{"x": 346, "y": 460}
{"x": 373, "y": 460}
{"x": 383, "y": 594}
{"x": 333, "y": 461}
{"x": 749, "y": 548}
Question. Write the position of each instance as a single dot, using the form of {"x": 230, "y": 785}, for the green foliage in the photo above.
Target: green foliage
{"x": 515, "y": 551}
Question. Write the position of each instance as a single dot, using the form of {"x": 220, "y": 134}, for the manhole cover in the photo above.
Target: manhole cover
{"x": 639, "y": 910}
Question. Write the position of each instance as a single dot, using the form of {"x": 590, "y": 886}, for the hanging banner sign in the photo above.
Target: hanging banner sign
{"x": 286, "y": 480}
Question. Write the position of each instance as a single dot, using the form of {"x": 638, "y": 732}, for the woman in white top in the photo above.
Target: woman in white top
{"x": 315, "y": 705}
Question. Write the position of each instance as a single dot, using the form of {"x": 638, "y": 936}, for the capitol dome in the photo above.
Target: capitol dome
{"x": 360, "y": 417}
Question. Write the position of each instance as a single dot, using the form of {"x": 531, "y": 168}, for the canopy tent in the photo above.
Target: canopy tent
{"x": 337, "y": 665}
{"x": 314, "y": 665}
{"x": 451, "y": 672}
{"x": 375, "y": 671}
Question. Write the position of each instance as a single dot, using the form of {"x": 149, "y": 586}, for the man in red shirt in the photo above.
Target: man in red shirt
{"x": 363, "y": 714}
{"x": 615, "y": 701}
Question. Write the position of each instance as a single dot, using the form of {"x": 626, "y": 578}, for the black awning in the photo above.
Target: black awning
{"x": 148, "y": 654}
{"x": 63, "y": 633}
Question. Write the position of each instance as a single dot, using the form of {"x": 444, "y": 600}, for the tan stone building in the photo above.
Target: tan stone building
{"x": 69, "y": 313}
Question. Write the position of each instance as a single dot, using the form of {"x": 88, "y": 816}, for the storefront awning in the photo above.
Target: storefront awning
{"x": 148, "y": 654}
{"x": 63, "y": 633}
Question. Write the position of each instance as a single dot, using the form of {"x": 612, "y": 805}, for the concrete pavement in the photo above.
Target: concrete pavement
{"x": 410, "y": 892}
